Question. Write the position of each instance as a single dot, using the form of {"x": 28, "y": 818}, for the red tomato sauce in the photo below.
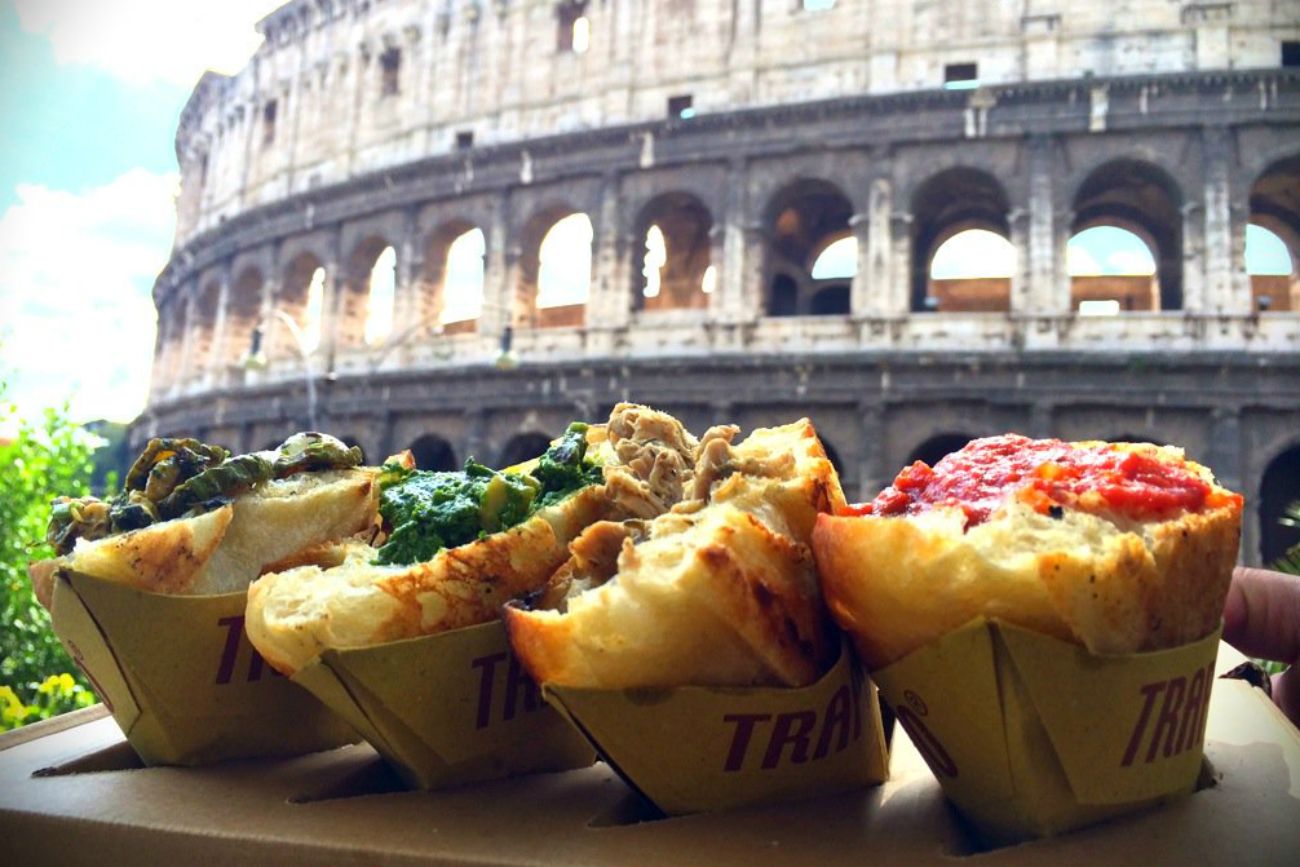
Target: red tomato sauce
{"x": 1046, "y": 474}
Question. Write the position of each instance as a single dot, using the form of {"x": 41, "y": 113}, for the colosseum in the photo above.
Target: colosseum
{"x": 456, "y": 225}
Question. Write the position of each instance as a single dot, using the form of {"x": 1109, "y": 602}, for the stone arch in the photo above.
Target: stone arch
{"x": 301, "y": 297}
{"x": 523, "y": 447}
{"x": 943, "y": 206}
{"x": 685, "y": 226}
{"x": 1131, "y": 286}
{"x": 443, "y": 277}
{"x": 801, "y": 220}
{"x": 1279, "y": 487}
{"x": 528, "y": 312}
{"x": 1275, "y": 206}
{"x": 432, "y": 452}
{"x": 243, "y": 315}
{"x": 1135, "y": 438}
{"x": 172, "y": 325}
{"x": 1143, "y": 198}
{"x": 933, "y": 449}
{"x": 207, "y": 302}
{"x": 353, "y": 305}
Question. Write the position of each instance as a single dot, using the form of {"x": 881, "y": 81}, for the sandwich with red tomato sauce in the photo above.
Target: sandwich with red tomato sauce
{"x": 1116, "y": 547}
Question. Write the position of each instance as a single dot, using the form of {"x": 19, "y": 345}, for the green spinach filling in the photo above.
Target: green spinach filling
{"x": 428, "y": 511}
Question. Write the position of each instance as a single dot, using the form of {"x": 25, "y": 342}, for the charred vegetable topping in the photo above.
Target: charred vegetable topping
{"x": 177, "y": 477}
{"x": 305, "y": 452}
{"x": 429, "y": 511}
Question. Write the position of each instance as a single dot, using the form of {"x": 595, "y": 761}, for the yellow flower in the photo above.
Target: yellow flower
{"x": 66, "y": 683}
{"x": 11, "y": 707}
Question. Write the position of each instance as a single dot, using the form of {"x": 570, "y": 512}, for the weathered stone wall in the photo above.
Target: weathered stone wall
{"x": 316, "y": 105}
{"x": 1170, "y": 119}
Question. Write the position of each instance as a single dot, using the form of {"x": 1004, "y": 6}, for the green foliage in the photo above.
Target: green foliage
{"x": 58, "y": 693}
{"x": 1290, "y": 561}
{"x": 46, "y": 458}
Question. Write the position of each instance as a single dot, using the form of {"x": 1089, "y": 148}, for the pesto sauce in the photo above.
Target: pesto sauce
{"x": 429, "y": 511}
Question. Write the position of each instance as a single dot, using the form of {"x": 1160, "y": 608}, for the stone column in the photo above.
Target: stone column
{"x": 270, "y": 325}
{"x": 899, "y": 300}
{"x": 409, "y": 310}
{"x": 185, "y": 365}
{"x": 1194, "y": 224}
{"x": 872, "y": 473}
{"x": 159, "y": 372}
{"x": 215, "y": 363}
{"x": 1226, "y": 285}
{"x": 872, "y": 297}
{"x": 609, "y": 305}
{"x": 729, "y": 300}
{"x": 860, "y": 287}
{"x": 1022, "y": 298}
{"x": 1042, "y": 260}
{"x": 475, "y": 444}
{"x": 498, "y": 268}
{"x": 330, "y": 294}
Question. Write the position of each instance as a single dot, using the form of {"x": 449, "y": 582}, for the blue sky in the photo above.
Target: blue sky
{"x": 90, "y": 91}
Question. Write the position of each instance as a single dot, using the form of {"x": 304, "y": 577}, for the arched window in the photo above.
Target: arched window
{"x": 1274, "y": 285}
{"x": 656, "y": 256}
{"x": 936, "y": 447}
{"x": 1140, "y": 198}
{"x": 671, "y": 267}
{"x": 971, "y": 271}
{"x": 463, "y": 283}
{"x": 1278, "y": 490}
{"x": 1111, "y": 270}
{"x": 432, "y": 452}
{"x": 314, "y": 311}
{"x": 811, "y": 254}
{"x": 379, "y": 306}
{"x": 523, "y": 447}
{"x": 839, "y": 261}
{"x": 564, "y": 269}
{"x": 945, "y": 208}
{"x": 709, "y": 282}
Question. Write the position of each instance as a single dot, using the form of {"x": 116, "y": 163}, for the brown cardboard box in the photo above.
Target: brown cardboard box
{"x": 1031, "y": 736}
{"x": 181, "y": 678}
{"x": 695, "y": 749}
{"x": 338, "y": 807}
{"x": 447, "y": 709}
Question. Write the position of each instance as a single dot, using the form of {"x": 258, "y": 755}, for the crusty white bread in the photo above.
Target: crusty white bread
{"x": 295, "y": 615}
{"x": 719, "y": 591}
{"x": 223, "y": 550}
{"x": 1109, "y": 583}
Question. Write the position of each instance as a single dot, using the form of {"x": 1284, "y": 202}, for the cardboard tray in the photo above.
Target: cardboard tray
{"x": 181, "y": 678}
{"x": 70, "y": 793}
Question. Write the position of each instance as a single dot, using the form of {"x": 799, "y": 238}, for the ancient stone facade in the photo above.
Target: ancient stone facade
{"x": 751, "y": 136}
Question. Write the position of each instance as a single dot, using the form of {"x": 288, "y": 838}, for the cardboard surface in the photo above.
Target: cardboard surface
{"x": 447, "y": 709}
{"x": 182, "y": 679}
{"x": 92, "y": 806}
{"x": 1032, "y": 736}
{"x": 695, "y": 749}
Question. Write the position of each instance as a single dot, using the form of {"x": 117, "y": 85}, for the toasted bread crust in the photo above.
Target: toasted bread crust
{"x": 223, "y": 550}
{"x": 295, "y": 615}
{"x": 716, "y": 593}
{"x": 896, "y": 583}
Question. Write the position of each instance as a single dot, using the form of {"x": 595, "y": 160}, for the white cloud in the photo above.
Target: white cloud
{"x": 77, "y": 319}
{"x": 149, "y": 40}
